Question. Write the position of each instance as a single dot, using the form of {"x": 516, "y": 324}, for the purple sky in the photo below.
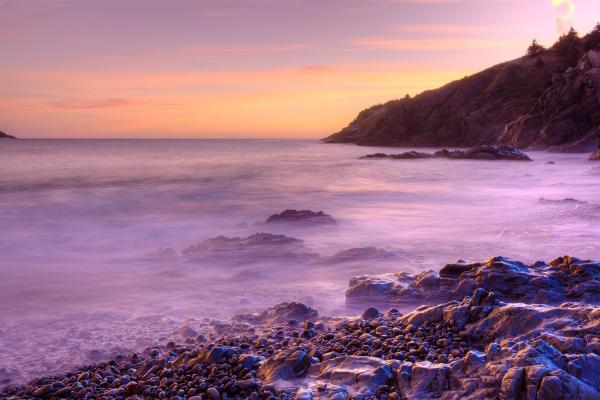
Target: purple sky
{"x": 245, "y": 68}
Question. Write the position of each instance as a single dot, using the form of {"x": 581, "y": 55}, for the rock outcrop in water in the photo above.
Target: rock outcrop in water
{"x": 257, "y": 247}
{"x": 302, "y": 217}
{"x": 550, "y": 100}
{"x": 356, "y": 254}
{"x": 562, "y": 279}
{"x": 6, "y": 136}
{"x": 485, "y": 152}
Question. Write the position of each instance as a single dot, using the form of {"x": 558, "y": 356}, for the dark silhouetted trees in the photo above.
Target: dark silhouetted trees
{"x": 569, "y": 45}
{"x": 592, "y": 39}
{"x": 535, "y": 49}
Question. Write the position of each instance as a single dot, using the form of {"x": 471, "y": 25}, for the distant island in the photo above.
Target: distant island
{"x": 6, "y": 136}
{"x": 547, "y": 99}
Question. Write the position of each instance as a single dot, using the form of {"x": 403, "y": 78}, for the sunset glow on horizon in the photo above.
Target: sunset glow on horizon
{"x": 259, "y": 69}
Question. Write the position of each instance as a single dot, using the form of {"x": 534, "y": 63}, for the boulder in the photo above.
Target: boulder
{"x": 288, "y": 364}
{"x": 353, "y": 373}
{"x": 285, "y": 312}
{"x": 212, "y": 354}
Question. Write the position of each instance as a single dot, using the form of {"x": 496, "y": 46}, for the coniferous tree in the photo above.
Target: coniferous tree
{"x": 568, "y": 45}
{"x": 535, "y": 49}
{"x": 592, "y": 40}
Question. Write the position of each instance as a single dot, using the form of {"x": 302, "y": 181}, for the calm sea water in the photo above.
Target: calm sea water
{"x": 77, "y": 218}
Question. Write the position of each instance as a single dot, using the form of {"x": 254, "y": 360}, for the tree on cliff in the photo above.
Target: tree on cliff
{"x": 568, "y": 45}
{"x": 592, "y": 40}
{"x": 535, "y": 49}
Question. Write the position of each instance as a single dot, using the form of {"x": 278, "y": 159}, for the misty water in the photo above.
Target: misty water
{"x": 80, "y": 220}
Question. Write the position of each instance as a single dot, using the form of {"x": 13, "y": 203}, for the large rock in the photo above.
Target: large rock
{"x": 257, "y": 247}
{"x": 286, "y": 365}
{"x": 565, "y": 278}
{"x": 282, "y": 313}
{"x": 353, "y": 375}
{"x": 306, "y": 217}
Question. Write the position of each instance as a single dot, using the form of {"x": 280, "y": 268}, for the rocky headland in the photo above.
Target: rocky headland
{"x": 6, "y": 136}
{"x": 547, "y": 99}
{"x": 498, "y": 329}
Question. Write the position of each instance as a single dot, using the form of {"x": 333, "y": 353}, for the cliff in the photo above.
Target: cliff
{"x": 546, "y": 99}
{"x": 6, "y": 136}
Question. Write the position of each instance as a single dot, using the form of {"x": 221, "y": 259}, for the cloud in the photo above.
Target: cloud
{"x": 198, "y": 51}
{"x": 82, "y": 104}
{"x": 446, "y": 29}
{"x": 434, "y": 44}
{"x": 565, "y": 9}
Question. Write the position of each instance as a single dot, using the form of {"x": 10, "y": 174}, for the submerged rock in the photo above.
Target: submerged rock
{"x": 410, "y": 155}
{"x": 485, "y": 152}
{"x": 359, "y": 254}
{"x": 565, "y": 201}
{"x": 259, "y": 246}
{"x": 301, "y": 217}
{"x": 162, "y": 254}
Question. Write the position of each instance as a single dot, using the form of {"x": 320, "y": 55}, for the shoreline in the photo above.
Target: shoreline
{"x": 441, "y": 351}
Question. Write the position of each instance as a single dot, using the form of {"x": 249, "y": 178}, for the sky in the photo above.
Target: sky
{"x": 247, "y": 68}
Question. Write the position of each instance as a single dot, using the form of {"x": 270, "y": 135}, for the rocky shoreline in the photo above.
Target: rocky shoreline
{"x": 485, "y": 152}
{"x": 489, "y": 338}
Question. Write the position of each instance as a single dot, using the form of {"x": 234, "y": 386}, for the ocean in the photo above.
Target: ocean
{"x": 81, "y": 222}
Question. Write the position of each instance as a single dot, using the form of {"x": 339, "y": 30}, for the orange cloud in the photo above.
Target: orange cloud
{"x": 435, "y": 44}
{"x": 75, "y": 104}
{"x": 447, "y": 29}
